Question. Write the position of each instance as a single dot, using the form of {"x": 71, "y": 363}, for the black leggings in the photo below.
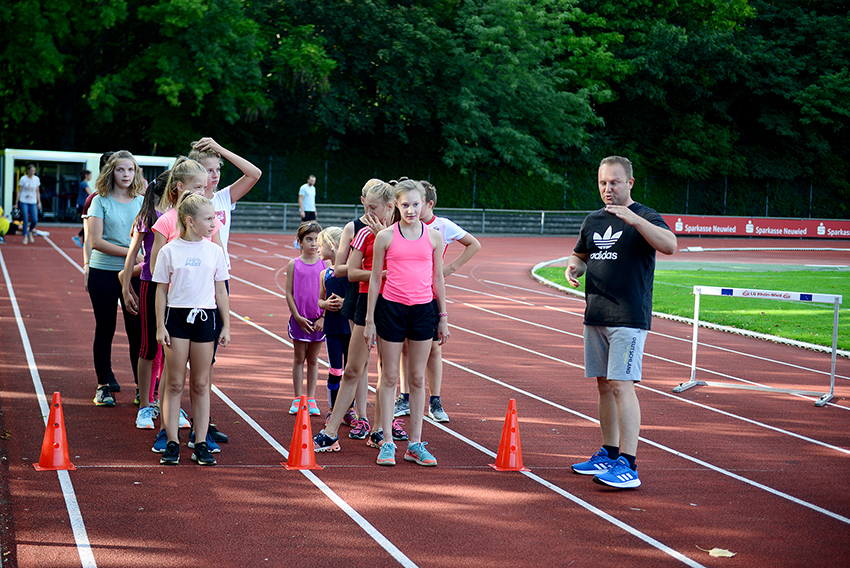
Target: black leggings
{"x": 105, "y": 294}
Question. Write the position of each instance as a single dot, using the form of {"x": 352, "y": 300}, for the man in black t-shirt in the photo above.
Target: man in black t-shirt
{"x": 616, "y": 251}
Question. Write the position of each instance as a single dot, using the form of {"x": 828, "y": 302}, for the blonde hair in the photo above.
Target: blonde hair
{"x": 106, "y": 180}
{"x": 183, "y": 170}
{"x": 409, "y": 185}
{"x": 331, "y": 236}
{"x": 384, "y": 191}
{"x": 369, "y": 185}
{"x": 188, "y": 206}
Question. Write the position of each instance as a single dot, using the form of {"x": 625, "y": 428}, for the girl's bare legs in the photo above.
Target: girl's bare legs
{"x": 171, "y": 388}
{"x": 298, "y": 366}
{"x": 200, "y": 355}
{"x": 145, "y": 369}
{"x": 312, "y": 357}
{"x": 418, "y": 352}
{"x": 390, "y": 367}
{"x": 358, "y": 363}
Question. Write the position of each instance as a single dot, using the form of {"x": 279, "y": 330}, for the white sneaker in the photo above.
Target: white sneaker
{"x": 144, "y": 418}
{"x": 184, "y": 420}
{"x": 32, "y": 238}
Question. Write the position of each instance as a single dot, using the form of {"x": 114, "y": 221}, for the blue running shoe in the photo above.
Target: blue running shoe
{"x": 324, "y": 443}
{"x": 211, "y": 445}
{"x": 387, "y": 455}
{"x": 312, "y": 407}
{"x": 184, "y": 421}
{"x": 417, "y": 453}
{"x": 620, "y": 476}
{"x": 294, "y": 408}
{"x": 598, "y": 463}
{"x": 161, "y": 443}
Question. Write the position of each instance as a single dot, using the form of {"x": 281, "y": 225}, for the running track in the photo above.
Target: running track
{"x": 763, "y": 475}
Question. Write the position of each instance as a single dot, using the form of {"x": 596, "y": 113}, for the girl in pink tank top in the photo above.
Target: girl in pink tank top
{"x": 405, "y": 310}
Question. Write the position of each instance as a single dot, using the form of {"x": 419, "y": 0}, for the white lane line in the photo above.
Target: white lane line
{"x": 676, "y": 453}
{"x": 268, "y": 242}
{"x": 260, "y": 265}
{"x": 479, "y": 293}
{"x": 260, "y": 250}
{"x": 367, "y": 527}
{"x": 230, "y": 242}
{"x": 75, "y": 516}
{"x": 258, "y": 287}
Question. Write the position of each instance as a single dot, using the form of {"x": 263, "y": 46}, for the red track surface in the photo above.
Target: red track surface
{"x": 763, "y": 475}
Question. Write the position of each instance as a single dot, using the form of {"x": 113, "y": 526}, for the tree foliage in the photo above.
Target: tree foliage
{"x": 513, "y": 99}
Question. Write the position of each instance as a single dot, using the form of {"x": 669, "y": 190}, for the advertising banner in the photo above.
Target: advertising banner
{"x": 698, "y": 225}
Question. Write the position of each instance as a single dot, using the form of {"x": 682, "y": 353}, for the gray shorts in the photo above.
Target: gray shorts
{"x": 613, "y": 352}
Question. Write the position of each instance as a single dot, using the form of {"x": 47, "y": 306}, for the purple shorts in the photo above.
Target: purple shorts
{"x": 298, "y": 334}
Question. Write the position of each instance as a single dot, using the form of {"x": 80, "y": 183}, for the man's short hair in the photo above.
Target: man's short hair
{"x": 627, "y": 165}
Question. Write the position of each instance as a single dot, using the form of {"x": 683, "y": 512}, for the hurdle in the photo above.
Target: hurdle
{"x": 823, "y": 398}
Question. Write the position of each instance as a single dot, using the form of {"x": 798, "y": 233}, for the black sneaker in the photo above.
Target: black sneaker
{"x": 171, "y": 455}
{"x": 202, "y": 454}
{"x": 137, "y": 400}
{"x": 103, "y": 397}
{"x": 217, "y": 435}
{"x": 114, "y": 386}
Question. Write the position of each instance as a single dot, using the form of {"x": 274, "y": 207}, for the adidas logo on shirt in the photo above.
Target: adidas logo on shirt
{"x": 605, "y": 242}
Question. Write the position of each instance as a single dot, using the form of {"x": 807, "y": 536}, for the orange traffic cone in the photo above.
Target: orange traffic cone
{"x": 301, "y": 455}
{"x": 509, "y": 457}
{"x": 54, "y": 449}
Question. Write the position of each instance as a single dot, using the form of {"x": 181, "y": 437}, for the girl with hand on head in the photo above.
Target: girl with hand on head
{"x": 186, "y": 176}
{"x": 192, "y": 313}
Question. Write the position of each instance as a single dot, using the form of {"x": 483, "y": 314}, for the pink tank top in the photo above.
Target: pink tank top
{"x": 410, "y": 269}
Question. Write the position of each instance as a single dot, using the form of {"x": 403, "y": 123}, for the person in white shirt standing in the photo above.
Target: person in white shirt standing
{"x": 307, "y": 200}
{"x": 29, "y": 201}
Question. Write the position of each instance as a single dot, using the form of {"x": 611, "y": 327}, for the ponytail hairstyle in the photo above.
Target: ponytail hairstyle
{"x": 331, "y": 236}
{"x": 182, "y": 171}
{"x": 147, "y": 214}
{"x": 188, "y": 206}
{"x": 106, "y": 181}
{"x": 369, "y": 185}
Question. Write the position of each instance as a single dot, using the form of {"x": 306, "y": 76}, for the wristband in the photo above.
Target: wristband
{"x": 444, "y": 315}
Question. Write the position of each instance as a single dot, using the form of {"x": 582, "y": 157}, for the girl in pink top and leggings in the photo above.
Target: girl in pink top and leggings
{"x": 403, "y": 310}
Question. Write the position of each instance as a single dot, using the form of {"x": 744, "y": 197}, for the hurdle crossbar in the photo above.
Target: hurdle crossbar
{"x": 823, "y": 398}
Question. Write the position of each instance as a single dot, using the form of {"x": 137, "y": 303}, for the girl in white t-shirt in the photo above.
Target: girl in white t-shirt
{"x": 192, "y": 313}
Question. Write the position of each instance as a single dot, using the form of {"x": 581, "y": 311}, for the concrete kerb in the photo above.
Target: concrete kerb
{"x": 690, "y": 321}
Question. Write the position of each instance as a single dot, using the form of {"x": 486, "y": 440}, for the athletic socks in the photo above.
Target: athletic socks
{"x": 631, "y": 460}
{"x": 613, "y": 451}
{"x": 432, "y": 399}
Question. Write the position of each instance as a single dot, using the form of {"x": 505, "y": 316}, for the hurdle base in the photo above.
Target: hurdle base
{"x": 690, "y": 384}
{"x": 824, "y": 399}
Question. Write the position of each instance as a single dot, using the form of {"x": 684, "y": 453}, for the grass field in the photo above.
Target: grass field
{"x": 812, "y": 323}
